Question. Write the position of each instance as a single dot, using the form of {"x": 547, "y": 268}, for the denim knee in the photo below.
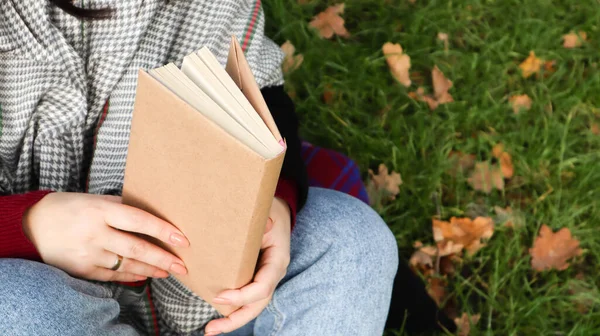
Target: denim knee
{"x": 37, "y": 299}
{"x": 361, "y": 236}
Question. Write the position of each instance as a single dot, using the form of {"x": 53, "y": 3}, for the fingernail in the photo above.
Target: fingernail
{"x": 179, "y": 240}
{"x": 178, "y": 268}
{"x": 220, "y": 300}
{"x": 160, "y": 274}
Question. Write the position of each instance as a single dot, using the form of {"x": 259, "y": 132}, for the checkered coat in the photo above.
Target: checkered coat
{"x": 67, "y": 89}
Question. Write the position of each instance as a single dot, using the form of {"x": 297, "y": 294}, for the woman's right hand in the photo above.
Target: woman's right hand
{"x": 83, "y": 234}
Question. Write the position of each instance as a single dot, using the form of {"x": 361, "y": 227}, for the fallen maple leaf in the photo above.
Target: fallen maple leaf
{"x": 465, "y": 322}
{"x": 329, "y": 22}
{"x": 464, "y": 231}
{"x": 530, "y": 65}
{"x": 552, "y": 250}
{"x": 485, "y": 177}
{"x": 291, "y": 62}
{"x": 398, "y": 62}
{"x": 574, "y": 40}
{"x": 520, "y": 102}
{"x": 595, "y": 128}
{"x": 383, "y": 185}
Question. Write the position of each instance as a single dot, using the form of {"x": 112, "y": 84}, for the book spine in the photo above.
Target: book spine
{"x": 260, "y": 215}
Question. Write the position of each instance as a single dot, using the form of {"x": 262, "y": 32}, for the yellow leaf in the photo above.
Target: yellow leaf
{"x": 291, "y": 62}
{"x": 520, "y": 102}
{"x": 574, "y": 40}
{"x": 552, "y": 250}
{"x": 398, "y": 62}
{"x": 330, "y": 23}
{"x": 531, "y": 65}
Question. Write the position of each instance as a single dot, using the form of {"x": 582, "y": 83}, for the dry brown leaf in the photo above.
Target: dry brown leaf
{"x": 574, "y": 40}
{"x": 443, "y": 37}
{"x": 329, "y": 22}
{"x": 461, "y": 162}
{"x": 486, "y": 177}
{"x": 412, "y": 1}
{"x": 552, "y": 250}
{"x": 530, "y": 65}
{"x": 441, "y": 85}
{"x": 464, "y": 231}
{"x": 595, "y": 128}
{"x": 421, "y": 96}
{"x": 447, "y": 266}
{"x": 420, "y": 259}
{"x": 497, "y": 150}
{"x": 549, "y": 68}
{"x": 437, "y": 289}
{"x": 291, "y": 62}
{"x": 398, "y": 62}
{"x": 520, "y": 102}
{"x": 383, "y": 185}
{"x": 328, "y": 94}
{"x": 465, "y": 322}
{"x": 506, "y": 165}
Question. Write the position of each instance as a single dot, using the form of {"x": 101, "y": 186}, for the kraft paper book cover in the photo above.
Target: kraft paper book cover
{"x": 205, "y": 155}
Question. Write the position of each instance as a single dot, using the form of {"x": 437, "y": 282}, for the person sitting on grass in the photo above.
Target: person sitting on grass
{"x": 70, "y": 260}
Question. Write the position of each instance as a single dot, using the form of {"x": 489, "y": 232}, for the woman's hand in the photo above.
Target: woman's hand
{"x": 84, "y": 234}
{"x": 272, "y": 267}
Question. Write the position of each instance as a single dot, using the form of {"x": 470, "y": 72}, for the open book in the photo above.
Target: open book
{"x": 205, "y": 155}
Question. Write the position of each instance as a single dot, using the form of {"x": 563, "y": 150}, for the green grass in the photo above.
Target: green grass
{"x": 488, "y": 39}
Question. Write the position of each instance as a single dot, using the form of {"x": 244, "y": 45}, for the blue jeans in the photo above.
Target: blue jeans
{"x": 339, "y": 282}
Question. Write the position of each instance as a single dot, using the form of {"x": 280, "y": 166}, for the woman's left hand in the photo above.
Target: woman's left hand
{"x": 272, "y": 267}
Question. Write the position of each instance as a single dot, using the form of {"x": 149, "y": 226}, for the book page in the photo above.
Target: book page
{"x": 235, "y": 93}
{"x": 206, "y": 79}
{"x": 181, "y": 85}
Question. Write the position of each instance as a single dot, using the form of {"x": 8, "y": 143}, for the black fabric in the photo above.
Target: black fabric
{"x": 412, "y": 308}
{"x": 283, "y": 111}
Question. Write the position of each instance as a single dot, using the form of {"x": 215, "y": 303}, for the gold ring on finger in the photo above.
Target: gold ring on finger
{"x": 118, "y": 263}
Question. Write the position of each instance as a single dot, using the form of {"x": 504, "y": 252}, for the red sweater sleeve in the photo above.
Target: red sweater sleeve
{"x": 288, "y": 191}
{"x": 13, "y": 242}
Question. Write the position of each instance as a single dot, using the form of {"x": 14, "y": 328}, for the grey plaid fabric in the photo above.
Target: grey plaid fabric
{"x": 58, "y": 72}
